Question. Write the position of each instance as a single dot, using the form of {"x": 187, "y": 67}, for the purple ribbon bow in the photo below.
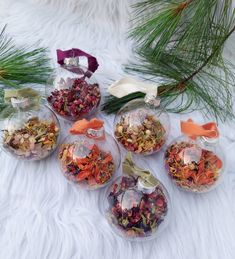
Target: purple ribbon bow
{"x": 72, "y": 53}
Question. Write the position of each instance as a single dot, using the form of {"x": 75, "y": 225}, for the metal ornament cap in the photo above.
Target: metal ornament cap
{"x": 152, "y": 100}
{"x": 20, "y": 102}
{"x": 144, "y": 186}
{"x": 96, "y": 133}
{"x": 73, "y": 61}
{"x": 209, "y": 141}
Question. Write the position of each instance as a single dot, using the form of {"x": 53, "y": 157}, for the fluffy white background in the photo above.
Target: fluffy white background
{"x": 42, "y": 216}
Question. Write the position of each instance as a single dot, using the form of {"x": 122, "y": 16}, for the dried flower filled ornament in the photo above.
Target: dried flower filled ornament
{"x": 142, "y": 126}
{"x": 195, "y": 161}
{"x": 30, "y": 130}
{"x": 137, "y": 205}
{"x": 72, "y": 91}
{"x": 89, "y": 156}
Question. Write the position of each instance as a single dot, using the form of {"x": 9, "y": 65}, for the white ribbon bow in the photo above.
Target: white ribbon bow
{"x": 129, "y": 85}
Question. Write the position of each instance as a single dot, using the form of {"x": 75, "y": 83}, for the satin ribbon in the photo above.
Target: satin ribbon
{"x": 194, "y": 130}
{"x": 129, "y": 85}
{"x": 20, "y": 93}
{"x": 26, "y": 96}
{"x": 72, "y": 53}
{"x": 129, "y": 168}
{"x": 92, "y": 129}
{"x": 19, "y": 98}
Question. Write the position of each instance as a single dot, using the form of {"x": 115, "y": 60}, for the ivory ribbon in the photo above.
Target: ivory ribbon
{"x": 92, "y": 129}
{"x": 62, "y": 56}
{"x": 129, "y": 85}
{"x": 129, "y": 168}
{"x": 194, "y": 130}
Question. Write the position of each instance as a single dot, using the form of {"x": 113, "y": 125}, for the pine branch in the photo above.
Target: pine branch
{"x": 205, "y": 63}
{"x": 188, "y": 60}
{"x": 19, "y": 66}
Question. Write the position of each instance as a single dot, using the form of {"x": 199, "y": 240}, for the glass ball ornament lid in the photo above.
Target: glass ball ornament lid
{"x": 137, "y": 205}
{"x": 195, "y": 161}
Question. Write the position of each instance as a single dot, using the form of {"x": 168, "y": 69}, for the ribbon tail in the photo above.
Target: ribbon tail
{"x": 194, "y": 130}
{"x": 131, "y": 169}
{"x": 128, "y": 85}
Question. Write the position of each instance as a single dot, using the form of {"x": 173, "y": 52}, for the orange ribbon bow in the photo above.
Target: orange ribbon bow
{"x": 194, "y": 130}
{"x": 92, "y": 128}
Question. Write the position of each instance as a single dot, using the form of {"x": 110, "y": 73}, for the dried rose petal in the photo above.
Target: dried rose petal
{"x": 145, "y": 138}
{"x": 76, "y": 102}
{"x": 133, "y": 212}
{"x": 95, "y": 169}
{"x": 35, "y": 140}
{"x": 197, "y": 171}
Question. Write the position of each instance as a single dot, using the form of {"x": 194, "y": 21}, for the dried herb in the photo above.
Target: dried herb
{"x": 35, "y": 140}
{"x": 144, "y": 138}
{"x": 134, "y": 212}
{"x": 76, "y": 102}
{"x": 191, "y": 167}
{"x": 94, "y": 170}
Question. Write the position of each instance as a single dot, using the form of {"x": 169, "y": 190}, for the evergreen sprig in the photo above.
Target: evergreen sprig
{"x": 181, "y": 43}
{"x": 20, "y": 65}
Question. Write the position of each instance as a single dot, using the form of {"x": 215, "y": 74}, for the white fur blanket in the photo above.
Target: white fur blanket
{"x": 44, "y": 217}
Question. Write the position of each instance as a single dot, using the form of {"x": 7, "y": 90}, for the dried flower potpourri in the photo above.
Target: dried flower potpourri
{"x": 91, "y": 157}
{"x": 31, "y": 135}
{"x": 78, "y": 101}
{"x": 137, "y": 204}
{"x": 96, "y": 168}
{"x": 72, "y": 91}
{"x": 195, "y": 163}
{"x": 141, "y": 129}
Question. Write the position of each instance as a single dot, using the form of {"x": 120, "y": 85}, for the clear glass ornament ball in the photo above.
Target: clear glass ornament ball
{"x": 30, "y": 133}
{"x": 195, "y": 165}
{"x": 90, "y": 163}
{"x": 135, "y": 212}
{"x": 73, "y": 93}
{"x": 141, "y": 128}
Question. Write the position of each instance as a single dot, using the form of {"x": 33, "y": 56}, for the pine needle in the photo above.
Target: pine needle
{"x": 181, "y": 42}
{"x": 20, "y": 65}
